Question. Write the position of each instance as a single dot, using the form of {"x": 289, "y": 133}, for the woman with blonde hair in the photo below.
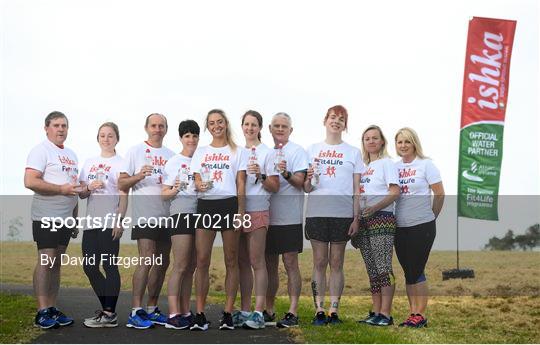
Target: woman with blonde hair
{"x": 220, "y": 179}
{"x": 378, "y": 191}
{"x": 416, "y": 215}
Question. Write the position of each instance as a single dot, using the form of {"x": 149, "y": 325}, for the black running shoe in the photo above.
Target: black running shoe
{"x": 289, "y": 320}
{"x": 226, "y": 321}
{"x": 269, "y": 320}
{"x": 200, "y": 323}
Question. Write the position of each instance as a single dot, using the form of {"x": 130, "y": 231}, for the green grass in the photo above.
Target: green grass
{"x": 501, "y": 305}
{"x": 16, "y": 319}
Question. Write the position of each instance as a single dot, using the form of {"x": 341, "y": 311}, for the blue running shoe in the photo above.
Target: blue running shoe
{"x": 157, "y": 318}
{"x": 60, "y": 317}
{"x": 334, "y": 319}
{"x": 44, "y": 320}
{"x": 140, "y": 320}
{"x": 178, "y": 322}
{"x": 319, "y": 319}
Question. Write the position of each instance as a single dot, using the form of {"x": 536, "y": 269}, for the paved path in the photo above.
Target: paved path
{"x": 81, "y": 303}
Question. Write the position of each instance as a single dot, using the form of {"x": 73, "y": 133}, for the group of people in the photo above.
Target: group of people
{"x": 254, "y": 196}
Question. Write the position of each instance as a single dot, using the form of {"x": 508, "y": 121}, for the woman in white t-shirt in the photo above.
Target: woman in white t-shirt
{"x": 105, "y": 201}
{"x": 178, "y": 188}
{"x": 220, "y": 179}
{"x": 378, "y": 191}
{"x": 415, "y": 215}
{"x": 262, "y": 180}
{"x": 332, "y": 210}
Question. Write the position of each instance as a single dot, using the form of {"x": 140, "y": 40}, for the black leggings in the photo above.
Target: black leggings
{"x": 107, "y": 287}
{"x": 413, "y": 245}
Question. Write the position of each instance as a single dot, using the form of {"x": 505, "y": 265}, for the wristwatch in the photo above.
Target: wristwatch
{"x": 287, "y": 175}
{"x": 263, "y": 177}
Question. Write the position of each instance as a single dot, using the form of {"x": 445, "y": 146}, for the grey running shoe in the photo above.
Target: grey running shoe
{"x": 382, "y": 320}
{"x": 369, "y": 319}
{"x": 289, "y": 320}
{"x": 254, "y": 321}
{"x": 239, "y": 318}
{"x": 102, "y": 320}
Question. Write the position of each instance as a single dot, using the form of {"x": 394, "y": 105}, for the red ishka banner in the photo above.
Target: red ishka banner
{"x": 484, "y": 103}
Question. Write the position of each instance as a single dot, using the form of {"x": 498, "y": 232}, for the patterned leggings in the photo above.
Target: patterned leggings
{"x": 376, "y": 242}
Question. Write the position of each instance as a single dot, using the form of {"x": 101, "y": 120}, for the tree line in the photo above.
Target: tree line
{"x": 529, "y": 240}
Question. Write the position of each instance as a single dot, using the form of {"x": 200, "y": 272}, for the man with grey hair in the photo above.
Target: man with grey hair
{"x": 285, "y": 234}
{"x": 143, "y": 173}
{"x": 51, "y": 173}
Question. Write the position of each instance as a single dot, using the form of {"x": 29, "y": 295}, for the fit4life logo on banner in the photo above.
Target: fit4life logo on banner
{"x": 485, "y": 95}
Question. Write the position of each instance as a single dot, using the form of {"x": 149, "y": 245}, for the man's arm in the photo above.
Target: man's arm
{"x": 33, "y": 180}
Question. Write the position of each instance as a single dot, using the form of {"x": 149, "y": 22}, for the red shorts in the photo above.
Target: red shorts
{"x": 259, "y": 219}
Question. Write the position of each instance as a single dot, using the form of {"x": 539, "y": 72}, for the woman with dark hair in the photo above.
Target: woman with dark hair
{"x": 416, "y": 215}
{"x": 378, "y": 191}
{"x": 262, "y": 181}
{"x": 332, "y": 212}
{"x": 99, "y": 182}
{"x": 178, "y": 187}
{"x": 220, "y": 179}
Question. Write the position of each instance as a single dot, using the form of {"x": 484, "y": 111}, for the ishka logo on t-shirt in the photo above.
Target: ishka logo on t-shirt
{"x": 94, "y": 168}
{"x": 66, "y": 160}
{"x": 217, "y": 161}
{"x": 364, "y": 177}
{"x": 406, "y": 176}
{"x": 330, "y": 157}
{"x": 159, "y": 161}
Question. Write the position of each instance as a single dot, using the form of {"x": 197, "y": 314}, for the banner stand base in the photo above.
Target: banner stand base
{"x": 458, "y": 273}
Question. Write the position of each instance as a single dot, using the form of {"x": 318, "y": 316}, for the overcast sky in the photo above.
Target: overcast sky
{"x": 391, "y": 63}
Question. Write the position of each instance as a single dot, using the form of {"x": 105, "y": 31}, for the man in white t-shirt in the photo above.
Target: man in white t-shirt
{"x": 285, "y": 235}
{"x": 51, "y": 173}
{"x": 143, "y": 173}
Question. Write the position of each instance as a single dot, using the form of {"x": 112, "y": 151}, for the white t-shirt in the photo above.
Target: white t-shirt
{"x": 224, "y": 164}
{"x": 287, "y": 205}
{"x": 258, "y": 198}
{"x": 186, "y": 200}
{"x": 56, "y": 164}
{"x": 146, "y": 201}
{"x": 104, "y": 200}
{"x": 333, "y": 196}
{"x": 413, "y": 206}
{"x": 376, "y": 179}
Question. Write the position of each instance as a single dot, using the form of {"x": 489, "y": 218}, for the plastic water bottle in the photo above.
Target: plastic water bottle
{"x": 148, "y": 158}
{"x": 183, "y": 177}
{"x": 206, "y": 175}
{"x": 279, "y": 157}
{"x": 100, "y": 174}
{"x": 316, "y": 179}
{"x": 252, "y": 161}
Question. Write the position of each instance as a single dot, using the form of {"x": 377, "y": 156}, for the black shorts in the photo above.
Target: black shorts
{"x": 284, "y": 239}
{"x": 216, "y": 214}
{"x": 328, "y": 229}
{"x": 46, "y": 238}
{"x": 413, "y": 245}
{"x": 183, "y": 224}
{"x": 150, "y": 232}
